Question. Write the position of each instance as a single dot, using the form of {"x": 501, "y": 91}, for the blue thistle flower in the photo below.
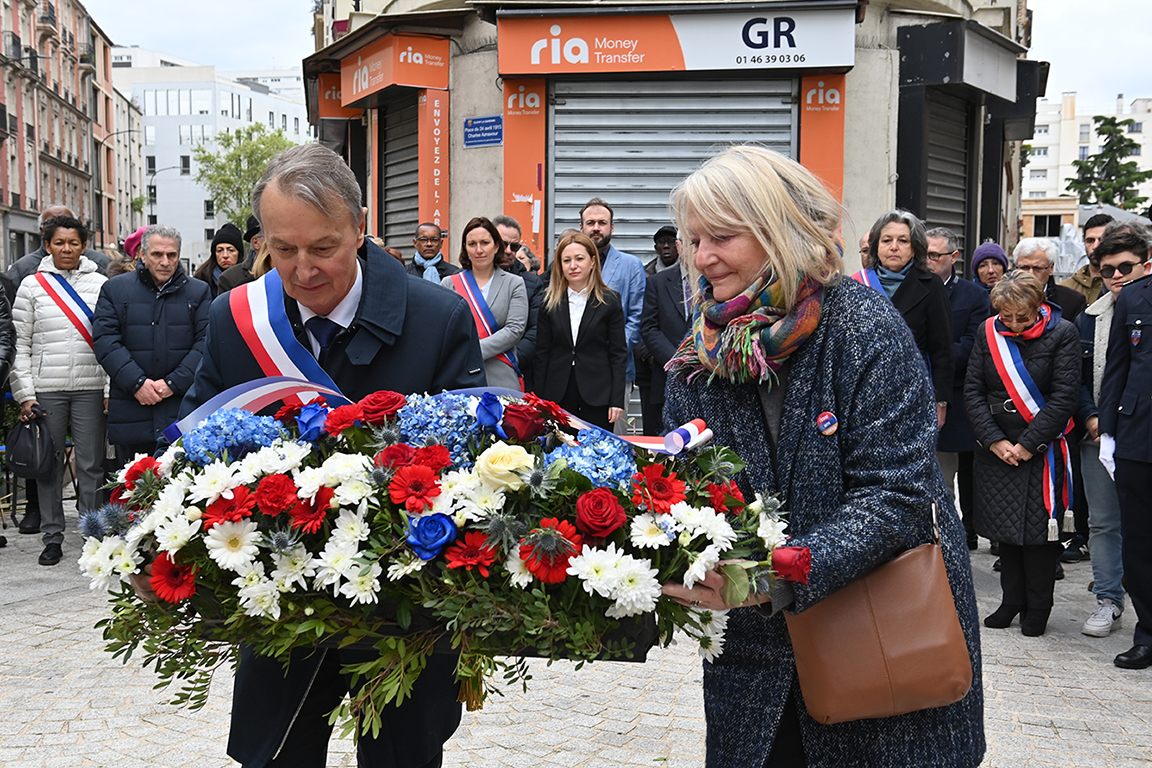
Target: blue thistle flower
{"x": 90, "y": 525}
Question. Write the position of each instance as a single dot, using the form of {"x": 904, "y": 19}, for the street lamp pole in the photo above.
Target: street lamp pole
{"x": 152, "y": 184}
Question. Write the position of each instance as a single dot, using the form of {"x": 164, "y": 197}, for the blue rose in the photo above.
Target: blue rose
{"x": 489, "y": 412}
{"x": 429, "y": 534}
{"x": 311, "y": 421}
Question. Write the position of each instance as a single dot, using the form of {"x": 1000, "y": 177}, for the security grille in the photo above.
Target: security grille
{"x": 948, "y": 160}
{"x": 399, "y": 173}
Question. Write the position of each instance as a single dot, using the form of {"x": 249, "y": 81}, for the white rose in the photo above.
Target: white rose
{"x": 498, "y": 466}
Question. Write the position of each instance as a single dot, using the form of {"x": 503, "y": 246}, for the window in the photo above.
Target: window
{"x": 271, "y": 119}
{"x": 1038, "y": 173}
{"x": 225, "y": 103}
{"x": 1136, "y": 150}
{"x": 209, "y": 234}
{"x": 1083, "y": 154}
{"x": 248, "y": 113}
{"x": 186, "y": 134}
{"x": 173, "y": 102}
{"x": 296, "y": 126}
{"x": 185, "y": 102}
{"x": 202, "y": 102}
{"x": 1136, "y": 128}
{"x": 209, "y": 209}
{"x": 185, "y": 165}
{"x": 1041, "y": 130}
{"x": 152, "y": 218}
{"x": 150, "y": 164}
{"x": 1046, "y": 226}
{"x": 1040, "y": 151}
{"x": 1085, "y": 131}
{"x": 1036, "y": 194}
{"x": 149, "y": 134}
{"x": 284, "y": 123}
{"x": 150, "y": 103}
{"x": 151, "y": 194}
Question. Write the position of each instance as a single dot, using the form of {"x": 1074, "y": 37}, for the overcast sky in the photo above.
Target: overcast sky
{"x": 1097, "y": 48}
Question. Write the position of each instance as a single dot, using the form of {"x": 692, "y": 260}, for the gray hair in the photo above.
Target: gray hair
{"x": 950, "y": 238}
{"x": 507, "y": 221}
{"x": 40, "y": 219}
{"x": 1031, "y": 245}
{"x": 916, "y": 232}
{"x": 158, "y": 230}
{"x": 315, "y": 175}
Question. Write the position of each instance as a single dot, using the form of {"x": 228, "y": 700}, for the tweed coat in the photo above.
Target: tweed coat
{"x": 1009, "y": 501}
{"x": 855, "y": 499}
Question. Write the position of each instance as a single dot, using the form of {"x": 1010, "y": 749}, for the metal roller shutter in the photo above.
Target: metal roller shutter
{"x": 399, "y": 173}
{"x": 631, "y": 142}
{"x": 948, "y": 160}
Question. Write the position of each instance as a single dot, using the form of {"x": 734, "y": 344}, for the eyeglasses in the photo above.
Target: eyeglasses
{"x": 933, "y": 256}
{"x": 428, "y": 239}
{"x": 1124, "y": 269}
{"x": 513, "y": 247}
{"x": 1034, "y": 268}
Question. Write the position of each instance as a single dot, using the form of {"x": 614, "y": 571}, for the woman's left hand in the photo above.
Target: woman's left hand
{"x": 1022, "y": 453}
{"x": 614, "y": 414}
{"x": 706, "y": 594}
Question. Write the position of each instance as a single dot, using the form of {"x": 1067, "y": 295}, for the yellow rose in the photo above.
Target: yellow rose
{"x": 498, "y": 465}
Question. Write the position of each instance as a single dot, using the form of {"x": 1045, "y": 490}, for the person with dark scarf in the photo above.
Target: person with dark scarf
{"x": 989, "y": 264}
{"x": 227, "y": 248}
{"x": 805, "y": 375}
{"x": 1022, "y": 389}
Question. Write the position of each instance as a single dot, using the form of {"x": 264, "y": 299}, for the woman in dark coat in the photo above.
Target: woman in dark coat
{"x": 226, "y": 251}
{"x": 581, "y": 350}
{"x": 778, "y": 339}
{"x": 897, "y": 265}
{"x": 1020, "y": 462}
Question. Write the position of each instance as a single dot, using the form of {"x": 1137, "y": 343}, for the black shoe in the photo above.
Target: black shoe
{"x": 973, "y": 544}
{"x": 1034, "y": 622}
{"x": 1003, "y": 616}
{"x": 994, "y": 547}
{"x": 30, "y": 523}
{"x": 3, "y": 542}
{"x": 51, "y": 555}
{"x": 1136, "y": 657}
{"x": 1059, "y": 572}
{"x": 996, "y": 565}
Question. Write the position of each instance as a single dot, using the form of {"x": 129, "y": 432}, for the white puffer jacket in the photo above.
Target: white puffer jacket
{"x": 51, "y": 355}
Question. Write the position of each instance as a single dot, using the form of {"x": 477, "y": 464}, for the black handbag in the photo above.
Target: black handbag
{"x": 29, "y": 449}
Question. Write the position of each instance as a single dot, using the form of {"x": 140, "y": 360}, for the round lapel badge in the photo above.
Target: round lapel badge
{"x": 826, "y": 423}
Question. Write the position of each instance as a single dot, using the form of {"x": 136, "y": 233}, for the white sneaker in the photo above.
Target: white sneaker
{"x": 1103, "y": 620}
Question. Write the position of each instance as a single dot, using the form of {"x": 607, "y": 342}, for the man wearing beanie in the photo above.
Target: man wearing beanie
{"x": 989, "y": 263}
{"x": 227, "y": 248}
{"x": 242, "y": 272}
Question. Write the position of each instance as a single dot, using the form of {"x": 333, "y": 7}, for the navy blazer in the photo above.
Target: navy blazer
{"x": 1126, "y": 390}
{"x": 598, "y": 357}
{"x": 970, "y": 308}
{"x": 922, "y": 301}
{"x": 662, "y": 323}
{"x": 409, "y": 336}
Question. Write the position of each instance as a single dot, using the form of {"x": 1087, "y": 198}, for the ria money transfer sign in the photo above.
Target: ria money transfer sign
{"x": 794, "y": 39}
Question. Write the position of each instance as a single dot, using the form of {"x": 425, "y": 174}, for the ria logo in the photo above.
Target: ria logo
{"x": 411, "y": 57}
{"x": 575, "y": 49}
{"x": 830, "y": 96}
{"x": 360, "y": 76}
{"x": 522, "y": 100}
{"x": 332, "y": 94}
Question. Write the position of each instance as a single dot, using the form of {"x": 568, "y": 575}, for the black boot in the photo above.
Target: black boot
{"x": 30, "y": 522}
{"x": 1004, "y": 615}
{"x": 1034, "y": 622}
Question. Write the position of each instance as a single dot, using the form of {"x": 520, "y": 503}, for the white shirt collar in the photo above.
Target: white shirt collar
{"x": 345, "y": 311}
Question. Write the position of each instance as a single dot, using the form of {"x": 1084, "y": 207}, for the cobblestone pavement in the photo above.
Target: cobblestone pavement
{"x": 1052, "y": 700}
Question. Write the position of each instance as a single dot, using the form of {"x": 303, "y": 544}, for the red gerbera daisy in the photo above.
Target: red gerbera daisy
{"x": 546, "y": 550}
{"x": 652, "y": 489}
{"x": 234, "y": 509}
{"x": 720, "y": 495}
{"x": 414, "y": 486}
{"x": 276, "y": 494}
{"x": 309, "y": 515}
{"x": 137, "y": 470}
{"x": 171, "y": 582}
{"x": 471, "y": 553}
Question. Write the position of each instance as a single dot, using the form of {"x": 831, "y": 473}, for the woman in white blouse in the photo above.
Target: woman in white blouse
{"x": 581, "y": 350}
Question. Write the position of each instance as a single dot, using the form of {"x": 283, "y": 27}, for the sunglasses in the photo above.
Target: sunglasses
{"x": 513, "y": 247}
{"x": 1124, "y": 269}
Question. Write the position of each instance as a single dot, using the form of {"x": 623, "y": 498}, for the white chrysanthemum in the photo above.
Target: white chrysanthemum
{"x": 363, "y": 584}
{"x": 719, "y": 530}
{"x": 487, "y": 498}
{"x": 711, "y": 646}
{"x": 193, "y": 513}
{"x": 294, "y": 566}
{"x": 702, "y": 562}
{"x": 249, "y": 575}
{"x": 597, "y": 569}
{"x": 212, "y": 482}
{"x": 457, "y": 481}
{"x": 97, "y": 565}
{"x": 342, "y": 467}
{"x": 232, "y": 545}
{"x": 309, "y": 480}
{"x": 408, "y": 563}
{"x": 637, "y": 589}
{"x": 170, "y": 501}
{"x": 260, "y": 598}
{"x": 335, "y": 563}
{"x": 281, "y": 457}
{"x": 171, "y": 453}
{"x": 353, "y": 491}
{"x": 517, "y": 569}
{"x": 174, "y": 534}
{"x": 756, "y": 505}
{"x": 351, "y": 527}
{"x": 711, "y": 622}
{"x": 648, "y": 533}
{"x": 771, "y": 531}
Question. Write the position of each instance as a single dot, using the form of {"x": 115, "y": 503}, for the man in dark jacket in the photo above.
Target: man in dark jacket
{"x": 970, "y": 308}
{"x": 373, "y": 327}
{"x": 663, "y": 323}
{"x": 148, "y": 333}
{"x": 429, "y": 263}
{"x": 534, "y": 284}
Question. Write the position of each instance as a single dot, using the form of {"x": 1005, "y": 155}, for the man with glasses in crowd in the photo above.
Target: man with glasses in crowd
{"x": 534, "y": 284}
{"x": 429, "y": 263}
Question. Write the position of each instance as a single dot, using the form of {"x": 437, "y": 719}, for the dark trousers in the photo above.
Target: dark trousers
{"x": 788, "y": 746}
{"x": 1080, "y": 499}
{"x": 1028, "y": 574}
{"x": 652, "y": 413}
{"x": 125, "y": 453}
{"x": 574, "y": 404}
{"x": 964, "y": 480}
{"x": 1134, "y": 488}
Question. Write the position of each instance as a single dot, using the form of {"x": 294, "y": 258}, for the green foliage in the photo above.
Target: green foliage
{"x": 230, "y": 173}
{"x": 138, "y": 203}
{"x": 1109, "y": 177}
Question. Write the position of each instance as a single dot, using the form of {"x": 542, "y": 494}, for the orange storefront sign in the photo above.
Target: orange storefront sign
{"x": 822, "y": 129}
{"x": 412, "y": 60}
{"x": 581, "y": 44}
{"x": 329, "y": 101}
{"x": 525, "y": 150}
{"x": 432, "y": 151}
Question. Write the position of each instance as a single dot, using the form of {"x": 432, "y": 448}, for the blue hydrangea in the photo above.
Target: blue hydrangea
{"x": 445, "y": 419}
{"x": 604, "y": 459}
{"x": 233, "y": 431}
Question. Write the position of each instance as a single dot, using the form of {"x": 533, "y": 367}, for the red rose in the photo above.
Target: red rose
{"x": 288, "y": 413}
{"x": 598, "y": 513}
{"x": 522, "y": 422}
{"x": 276, "y": 494}
{"x": 378, "y": 406}
{"x": 171, "y": 582}
{"x": 652, "y": 489}
{"x": 792, "y": 563}
{"x": 414, "y": 486}
{"x": 137, "y": 470}
{"x": 339, "y": 419}
{"x": 435, "y": 457}
{"x": 309, "y": 515}
{"x": 399, "y": 455}
{"x": 232, "y": 510}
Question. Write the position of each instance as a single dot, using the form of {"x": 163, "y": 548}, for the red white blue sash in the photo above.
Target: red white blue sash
{"x": 70, "y": 303}
{"x": 465, "y": 284}
{"x": 252, "y": 396}
{"x": 869, "y": 278}
{"x": 1028, "y": 401}
{"x": 258, "y": 309}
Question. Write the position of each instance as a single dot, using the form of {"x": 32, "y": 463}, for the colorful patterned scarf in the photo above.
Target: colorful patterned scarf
{"x": 748, "y": 337}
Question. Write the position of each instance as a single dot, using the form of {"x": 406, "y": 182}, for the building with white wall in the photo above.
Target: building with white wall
{"x": 128, "y": 149}
{"x": 185, "y": 105}
{"x": 288, "y": 83}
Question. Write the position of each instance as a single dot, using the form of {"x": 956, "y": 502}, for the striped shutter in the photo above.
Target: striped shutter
{"x": 399, "y": 173}
{"x": 949, "y": 127}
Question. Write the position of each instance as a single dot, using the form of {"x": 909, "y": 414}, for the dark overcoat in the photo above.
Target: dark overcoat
{"x": 663, "y": 323}
{"x": 143, "y": 332}
{"x": 970, "y": 308}
{"x": 409, "y": 336}
{"x": 922, "y": 300}
{"x": 855, "y": 498}
{"x": 1126, "y": 390}
{"x": 1009, "y": 501}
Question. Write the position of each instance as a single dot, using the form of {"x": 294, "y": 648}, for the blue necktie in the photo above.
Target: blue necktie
{"x": 324, "y": 331}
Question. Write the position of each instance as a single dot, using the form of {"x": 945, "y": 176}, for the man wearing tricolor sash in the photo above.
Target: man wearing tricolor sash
{"x": 338, "y": 311}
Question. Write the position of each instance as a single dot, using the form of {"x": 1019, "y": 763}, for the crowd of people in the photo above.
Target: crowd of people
{"x": 1028, "y": 402}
